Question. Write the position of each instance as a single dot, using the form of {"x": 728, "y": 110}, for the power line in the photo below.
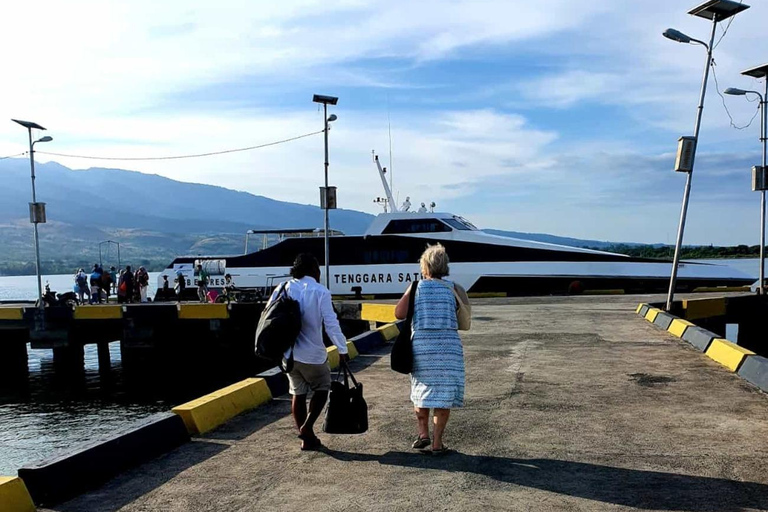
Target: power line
{"x": 725, "y": 30}
{"x": 12, "y": 156}
{"x": 178, "y": 157}
{"x": 717, "y": 88}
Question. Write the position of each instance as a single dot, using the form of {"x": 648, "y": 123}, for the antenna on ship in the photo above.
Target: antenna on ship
{"x": 382, "y": 174}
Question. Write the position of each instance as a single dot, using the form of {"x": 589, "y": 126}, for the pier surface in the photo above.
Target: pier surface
{"x": 571, "y": 404}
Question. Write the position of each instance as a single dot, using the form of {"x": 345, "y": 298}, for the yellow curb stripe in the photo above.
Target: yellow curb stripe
{"x": 652, "y": 314}
{"x": 639, "y": 307}
{"x": 703, "y": 308}
{"x": 210, "y": 411}
{"x": 728, "y": 354}
{"x": 97, "y": 312}
{"x": 678, "y": 327}
{"x": 389, "y": 331}
{"x": 11, "y": 313}
{"x": 14, "y": 496}
{"x": 203, "y": 311}
{"x": 333, "y": 357}
{"x": 384, "y": 313}
{"x": 352, "y": 350}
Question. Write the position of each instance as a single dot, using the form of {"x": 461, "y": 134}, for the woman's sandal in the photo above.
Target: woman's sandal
{"x": 311, "y": 444}
{"x": 443, "y": 450}
{"x": 421, "y": 443}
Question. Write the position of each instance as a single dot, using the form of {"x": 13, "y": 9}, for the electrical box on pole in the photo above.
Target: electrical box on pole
{"x": 686, "y": 150}
{"x": 328, "y": 198}
{"x": 759, "y": 178}
{"x": 37, "y": 213}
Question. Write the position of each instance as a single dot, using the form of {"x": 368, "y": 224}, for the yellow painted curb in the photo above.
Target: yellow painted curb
{"x": 639, "y": 307}
{"x": 652, "y": 314}
{"x": 728, "y": 354}
{"x": 678, "y": 327}
{"x": 14, "y": 496}
{"x": 203, "y": 311}
{"x": 703, "y": 308}
{"x": 384, "y": 313}
{"x": 389, "y": 331}
{"x": 11, "y": 313}
{"x": 97, "y": 312}
{"x": 352, "y": 350}
{"x": 333, "y": 357}
{"x": 213, "y": 409}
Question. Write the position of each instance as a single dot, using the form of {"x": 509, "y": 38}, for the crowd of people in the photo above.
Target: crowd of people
{"x": 96, "y": 287}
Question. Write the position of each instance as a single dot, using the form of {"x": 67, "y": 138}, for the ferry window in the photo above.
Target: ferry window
{"x": 457, "y": 224}
{"x": 415, "y": 226}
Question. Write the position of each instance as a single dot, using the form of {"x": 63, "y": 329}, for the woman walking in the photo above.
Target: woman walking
{"x": 437, "y": 379}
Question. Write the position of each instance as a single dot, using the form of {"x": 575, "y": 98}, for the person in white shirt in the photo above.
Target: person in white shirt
{"x": 311, "y": 371}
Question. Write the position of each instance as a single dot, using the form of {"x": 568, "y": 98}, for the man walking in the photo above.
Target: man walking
{"x": 311, "y": 371}
{"x": 202, "y": 284}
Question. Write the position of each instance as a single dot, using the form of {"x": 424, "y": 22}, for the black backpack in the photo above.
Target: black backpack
{"x": 278, "y": 327}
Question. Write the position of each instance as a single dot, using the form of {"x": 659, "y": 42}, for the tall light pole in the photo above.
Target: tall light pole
{"x": 327, "y": 196}
{"x": 36, "y": 210}
{"x": 759, "y": 174}
{"x": 717, "y": 11}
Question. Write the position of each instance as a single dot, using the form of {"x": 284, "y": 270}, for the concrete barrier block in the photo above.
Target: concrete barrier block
{"x": 210, "y": 411}
{"x": 755, "y": 370}
{"x": 663, "y": 320}
{"x": 12, "y": 313}
{"x": 704, "y": 308}
{"x": 651, "y": 314}
{"x": 389, "y": 331}
{"x": 699, "y": 337}
{"x": 352, "y": 350}
{"x": 639, "y": 307}
{"x": 276, "y": 380}
{"x": 98, "y": 312}
{"x": 678, "y": 327}
{"x": 728, "y": 354}
{"x": 384, "y": 313}
{"x": 203, "y": 311}
{"x": 368, "y": 341}
{"x": 333, "y": 357}
{"x": 643, "y": 310}
{"x": 68, "y": 474}
{"x": 14, "y": 496}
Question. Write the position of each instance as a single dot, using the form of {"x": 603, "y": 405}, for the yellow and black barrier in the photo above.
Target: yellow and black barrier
{"x": 14, "y": 496}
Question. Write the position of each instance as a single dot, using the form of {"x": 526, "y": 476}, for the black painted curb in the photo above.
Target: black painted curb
{"x": 644, "y": 310}
{"x": 368, "y": 341}
{"x": 663, "y": 320}
{"x": 754, "y": 369}
{"x": 87, "y": 466}
{"x": 699, "y": 337}
{"x": 277, "y": 381}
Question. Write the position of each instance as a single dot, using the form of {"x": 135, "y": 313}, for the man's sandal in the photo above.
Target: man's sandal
{"x": 421, "y": 443}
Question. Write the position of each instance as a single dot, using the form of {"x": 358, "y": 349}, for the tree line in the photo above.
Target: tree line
{"x": 698, "y": 252}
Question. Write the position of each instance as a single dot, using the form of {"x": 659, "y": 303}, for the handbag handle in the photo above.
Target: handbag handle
{"x": 347, "y": 373}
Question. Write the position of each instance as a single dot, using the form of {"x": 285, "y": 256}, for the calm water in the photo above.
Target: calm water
{"x": 50, "y": 411}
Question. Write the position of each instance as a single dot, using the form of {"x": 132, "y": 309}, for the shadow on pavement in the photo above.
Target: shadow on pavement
{"x": 139, "y": 481}
{"x": 618, "y": 486}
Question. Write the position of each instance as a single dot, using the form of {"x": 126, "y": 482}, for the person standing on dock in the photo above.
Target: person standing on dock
{"x": 437, "y": 378}
{"x": 202, "y": 284}
{"x": 181, "y": 285}
{"x": 142, "y": 281}
{"x": 81, "y": 287}
{"x": 311, "y": 371}
{"x": 128, "y": 282}
{"x": 95, "y": 282}
{"x": 113, "y": 276}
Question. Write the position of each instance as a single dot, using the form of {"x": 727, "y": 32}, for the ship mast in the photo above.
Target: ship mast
{"x": 387, "y": 190}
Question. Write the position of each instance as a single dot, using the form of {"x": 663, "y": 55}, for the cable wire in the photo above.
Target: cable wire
{"x": 725, "y": 30}
{"x": 178, "y": 157}
{"x": 717, "y": 88}
{"x": 12, "y": 156}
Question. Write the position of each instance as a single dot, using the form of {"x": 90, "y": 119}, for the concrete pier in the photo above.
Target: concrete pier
{"x": 571, "y": 404}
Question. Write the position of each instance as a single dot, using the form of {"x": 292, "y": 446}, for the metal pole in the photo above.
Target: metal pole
{"x": 37, "y": 241}
{"x": 687, "y": 192}
{"x": 327, "y": 246}
{"x": 764, "y": 139}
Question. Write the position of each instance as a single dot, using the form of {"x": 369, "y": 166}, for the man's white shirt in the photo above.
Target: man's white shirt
{"x": 316, "y": 309}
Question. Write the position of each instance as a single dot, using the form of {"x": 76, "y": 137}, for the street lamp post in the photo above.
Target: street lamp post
{"x": 327, "y": 202}
{"x": 760, "y": 174}
{"x": 36, "y": 210}
{"x": 717, "y": 11}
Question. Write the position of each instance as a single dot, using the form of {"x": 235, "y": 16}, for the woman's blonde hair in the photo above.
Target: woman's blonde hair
{"x": 434, "y": 262}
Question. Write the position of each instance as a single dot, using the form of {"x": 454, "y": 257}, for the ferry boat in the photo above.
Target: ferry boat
{"x": 384, "y": 260}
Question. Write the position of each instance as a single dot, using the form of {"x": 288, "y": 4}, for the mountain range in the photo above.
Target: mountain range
{"x": 154, "y": 218}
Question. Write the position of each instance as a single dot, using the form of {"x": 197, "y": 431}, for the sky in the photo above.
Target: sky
{"x": 551, "y": 116}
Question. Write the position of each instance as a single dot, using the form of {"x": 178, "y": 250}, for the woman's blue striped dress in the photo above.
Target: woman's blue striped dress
{"x": 437, "y": 379}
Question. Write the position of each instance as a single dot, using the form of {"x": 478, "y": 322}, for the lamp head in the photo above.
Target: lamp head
{"x": 676, "y": 35}
{"x": 332, "y": 118}
{"x": 733, "y": 91}
{"x": 47, "y": 138}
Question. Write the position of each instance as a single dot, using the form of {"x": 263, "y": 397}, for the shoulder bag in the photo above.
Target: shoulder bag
{"x": 401, "y": 358}
{"x": 347, "y": 411}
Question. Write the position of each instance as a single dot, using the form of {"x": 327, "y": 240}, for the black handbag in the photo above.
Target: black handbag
{"x": 401, "y": 358}
{"x": 347, "y": 412}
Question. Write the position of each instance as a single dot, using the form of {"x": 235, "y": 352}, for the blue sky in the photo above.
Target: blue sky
{"x": 550, "y": 116}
